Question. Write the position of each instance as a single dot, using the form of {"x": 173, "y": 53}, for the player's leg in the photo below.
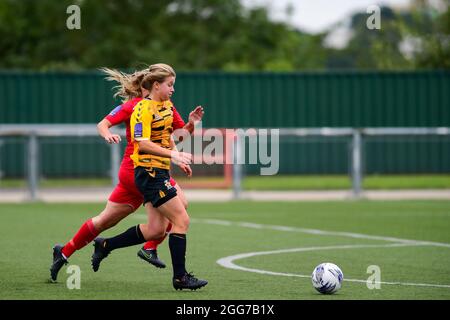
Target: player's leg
{"x": 174, "y": 210}
{"x": 135, "y": 235}
{"x": 149, "y": 251}
{"x": 111, "y": 215}
{"x": 181, "y": 196}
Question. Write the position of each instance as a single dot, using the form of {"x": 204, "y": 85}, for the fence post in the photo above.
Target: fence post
{"x": 115, "y": 163}
{"x": 33, "y": 166}
{"x": 237, "y": 167}
{"x": 356, "y": 163}
{"x": 1, "y": 172}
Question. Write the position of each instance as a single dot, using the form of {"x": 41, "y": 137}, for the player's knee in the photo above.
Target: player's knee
{"x": 184, "y": 222}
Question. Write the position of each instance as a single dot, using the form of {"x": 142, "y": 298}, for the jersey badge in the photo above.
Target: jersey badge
{"x": 115, "y": 110}
{"x": 138, "y": 130}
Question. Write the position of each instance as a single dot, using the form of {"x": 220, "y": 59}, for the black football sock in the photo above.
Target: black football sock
{"x": 177, "y": 245}
{"x": 128, "y": 238}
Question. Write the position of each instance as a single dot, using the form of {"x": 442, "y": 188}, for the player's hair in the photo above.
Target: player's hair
{"x": 156, "y": 72}
{"x": 129, "y": 84}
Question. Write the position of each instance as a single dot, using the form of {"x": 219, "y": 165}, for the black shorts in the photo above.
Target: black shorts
{"x": 154, "y": 184}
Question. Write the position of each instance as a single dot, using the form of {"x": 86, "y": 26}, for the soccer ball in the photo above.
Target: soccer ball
{"x": 327, "y": 278}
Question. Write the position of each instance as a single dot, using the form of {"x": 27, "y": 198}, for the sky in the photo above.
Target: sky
{"x": 315, "y": 16}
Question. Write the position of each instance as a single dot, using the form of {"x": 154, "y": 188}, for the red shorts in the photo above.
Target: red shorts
{"x": 126, "y": 192}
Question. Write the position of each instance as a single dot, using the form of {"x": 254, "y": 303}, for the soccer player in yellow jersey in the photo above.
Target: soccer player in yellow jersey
{"x": 151, "y": 129}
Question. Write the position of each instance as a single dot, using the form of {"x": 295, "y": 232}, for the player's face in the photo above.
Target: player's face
{"x": 166, "y": 89}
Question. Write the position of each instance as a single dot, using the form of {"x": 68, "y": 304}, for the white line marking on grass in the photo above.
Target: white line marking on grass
{"x": 228, "y": 262}
{"x": 319, "y": 232}
{"x": 311, "y": 231}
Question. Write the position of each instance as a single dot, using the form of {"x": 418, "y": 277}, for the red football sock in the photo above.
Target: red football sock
{"x": 153, "y": 244}
{"x": 85, "y": 234}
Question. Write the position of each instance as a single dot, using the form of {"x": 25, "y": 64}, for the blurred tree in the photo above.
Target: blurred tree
{"x": 190, "y": 34}
{"x": 208, "y": 35}
{"x": 372, "y": 49}
{"x": 428, "y": 30}
{"x": 415, "y": 38}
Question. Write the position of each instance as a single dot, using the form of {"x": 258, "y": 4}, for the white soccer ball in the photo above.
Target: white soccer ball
{"x": 327, "y": 278}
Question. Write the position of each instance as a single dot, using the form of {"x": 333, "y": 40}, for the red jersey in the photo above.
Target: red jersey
{"x": 122, "y": 113}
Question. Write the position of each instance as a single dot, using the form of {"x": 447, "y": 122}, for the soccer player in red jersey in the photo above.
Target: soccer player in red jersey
{"x": 125, "y": 198}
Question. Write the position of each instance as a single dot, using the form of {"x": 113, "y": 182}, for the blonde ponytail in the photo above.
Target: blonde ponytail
{"x": 129, "y": 86}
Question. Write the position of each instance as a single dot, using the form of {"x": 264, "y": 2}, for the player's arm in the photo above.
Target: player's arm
{"x": 195, "y": 116}
{"x": 103, "y": 130}
{"x": 140, "y": 124}
{"x": 184, "y": 167}
{"x": 118, "y": 115}
{"x": 146, "y": 146}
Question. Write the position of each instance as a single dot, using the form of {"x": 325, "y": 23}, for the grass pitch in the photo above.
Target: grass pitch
{"x": 278, "y": 182}
{"x": 284, "y": 242}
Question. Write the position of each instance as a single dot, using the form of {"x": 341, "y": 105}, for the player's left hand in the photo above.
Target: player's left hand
{"x": 196, "y": 115}
{"x": 186, "y": 169}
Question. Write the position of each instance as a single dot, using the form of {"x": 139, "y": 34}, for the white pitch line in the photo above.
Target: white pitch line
{"x": 311, "y": 231}
{"x": 319, "y": 232}
{"x": 228, "y": 262}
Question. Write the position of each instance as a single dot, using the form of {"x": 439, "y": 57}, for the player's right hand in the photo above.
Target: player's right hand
{"x": 112, "y": 138}
{"x": 181, "y": 157}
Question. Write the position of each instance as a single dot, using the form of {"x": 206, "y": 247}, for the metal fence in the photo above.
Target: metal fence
{"x": 352, "y": 151}
{"x": 352, "y": 145}
{"x": 32, "y": 133}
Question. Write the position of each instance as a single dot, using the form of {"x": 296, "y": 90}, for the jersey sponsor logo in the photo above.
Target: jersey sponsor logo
{"x": 115, "y": 110}
{"x": 167, "y": 184}
{"x": 138, "y": 130}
